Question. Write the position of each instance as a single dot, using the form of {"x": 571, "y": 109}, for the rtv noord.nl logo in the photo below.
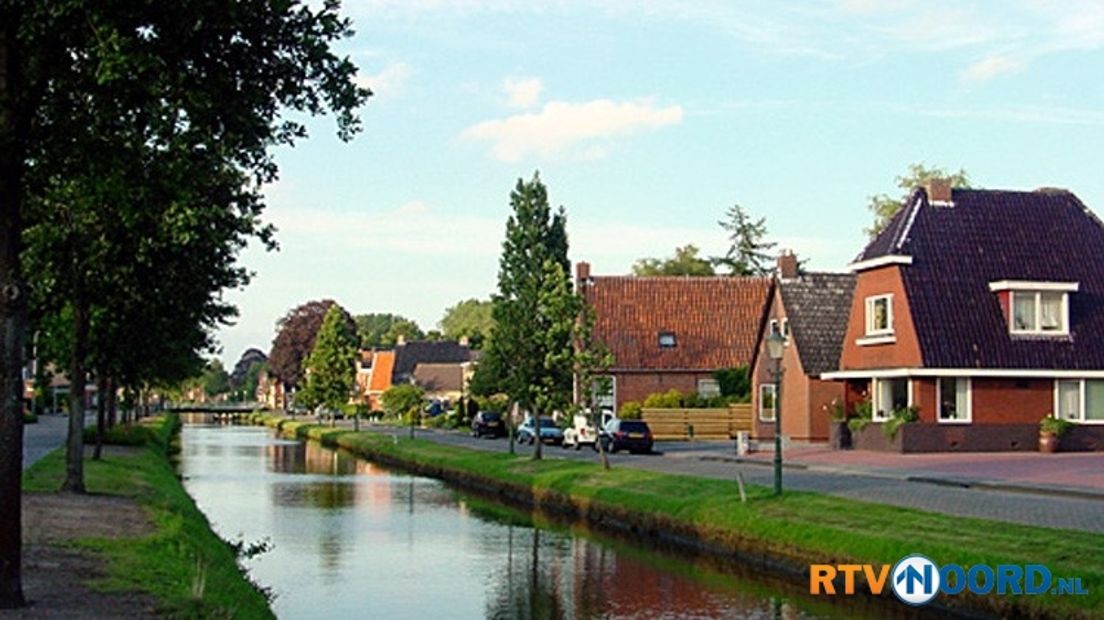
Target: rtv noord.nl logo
{"x": 916, "y": 580}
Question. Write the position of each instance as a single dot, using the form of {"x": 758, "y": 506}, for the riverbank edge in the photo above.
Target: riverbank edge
{"x": 183, "y": 555}
{"x": 650, "y": 525}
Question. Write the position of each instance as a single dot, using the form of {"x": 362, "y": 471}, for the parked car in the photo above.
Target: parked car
{"x": 581, "y": 433}
{"x": 631, "y": 435}
{"x": 488, "y": 424}
{"x": 549, "y": 432}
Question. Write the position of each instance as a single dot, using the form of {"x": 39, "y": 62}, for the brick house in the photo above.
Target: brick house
{"x": 810, "y": 310}
{"x": 672, "y": 331}
{"x": 984, "y": 310}
{"x": 373, "y": 376}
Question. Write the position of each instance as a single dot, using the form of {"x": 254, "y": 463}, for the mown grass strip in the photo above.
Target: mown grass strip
{"x": 797, "y": 529}
{"x": 183, "y": 563}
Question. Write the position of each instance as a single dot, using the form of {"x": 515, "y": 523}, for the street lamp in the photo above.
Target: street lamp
{"x": 775, "y": 346}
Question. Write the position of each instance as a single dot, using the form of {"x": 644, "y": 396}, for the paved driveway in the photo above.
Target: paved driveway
{"x": 717, "y": 460}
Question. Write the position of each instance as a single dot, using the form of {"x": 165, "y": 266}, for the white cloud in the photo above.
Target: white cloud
{"x": 572, "y": 129}
{"x": 990, "y": 67}
{"x": 524, "y": 93}
{"x": 388, "y": 82}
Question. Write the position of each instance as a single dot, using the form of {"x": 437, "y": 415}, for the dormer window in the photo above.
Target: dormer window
{"x": 879, "y": 315}
{"x": 1036, "y": 308}
{"x": 667, "y": 340}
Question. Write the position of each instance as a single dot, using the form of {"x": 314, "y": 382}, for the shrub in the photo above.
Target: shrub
{"x": 734, "y": 382}
{"x": 862, "y": 414}
{"x": 671, "y": 399}
{"x": 122, "y": 435}
{"x": 399, "y": 400}
{"x": 630, "y": 411}
{"x": 29, "y": 418}
{"x": 1054, "y": 426}
{"x": 899, "y": 418}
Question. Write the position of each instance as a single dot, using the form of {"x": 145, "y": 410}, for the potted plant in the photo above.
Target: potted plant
{"x": 839, "y": 435}
{"x": 1051, "y": 430}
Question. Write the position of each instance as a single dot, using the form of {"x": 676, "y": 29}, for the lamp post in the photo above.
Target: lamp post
{"x": 775, "y": 345}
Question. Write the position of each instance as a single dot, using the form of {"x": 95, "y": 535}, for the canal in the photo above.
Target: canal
{"x": 350, "y": 539}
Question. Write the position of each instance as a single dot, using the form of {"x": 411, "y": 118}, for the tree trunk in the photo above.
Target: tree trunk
{"x": 538, "y": 446}
{"x": 101, "y": 414}
{"x": 112, "y": 405}
{"x": 74, "y": 444}
{"x": 13, "y": 321}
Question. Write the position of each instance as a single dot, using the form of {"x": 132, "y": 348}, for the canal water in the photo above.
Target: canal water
{"x": 350, "y": 539}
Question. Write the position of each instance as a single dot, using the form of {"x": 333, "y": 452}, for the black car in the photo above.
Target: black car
{"x": 631, "y": 435}
{"x": 488, "y": 424}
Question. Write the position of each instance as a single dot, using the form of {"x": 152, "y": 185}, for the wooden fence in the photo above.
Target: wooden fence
{"x": 698, "y": 423}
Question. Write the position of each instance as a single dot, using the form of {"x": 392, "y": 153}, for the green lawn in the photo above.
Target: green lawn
{"x": 182, "y": 557}
{"x": 799, "y": 528}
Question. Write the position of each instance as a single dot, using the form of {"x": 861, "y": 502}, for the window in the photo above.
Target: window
{"x": 1080, "y": 400}
{"x": 774, "y": 326}
{"x": 879, "y": 315}
{"x": 1039, "y": 312}
{"x": 708, "y": 388}
{"x": 766, "y": 402}
{"x": 667, "y": 340}
{"x": 953, "y": 398}
{"x": 605, "y": 392}
{"x": 786, "y": 330}
{"x": 889, "y": 395}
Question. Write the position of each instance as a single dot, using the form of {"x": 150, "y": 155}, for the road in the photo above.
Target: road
{"x": 713, "y": 460}
{"x": 45, "y": 435}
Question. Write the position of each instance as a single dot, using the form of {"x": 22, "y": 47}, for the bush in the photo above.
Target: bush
{"x": 400, "y": 400}
{"x": 674, "y": 399}
{"x": 630, "y": 411}
{"x": 29, "y": 418}
{"x": 734, "y": 383}
{"x": 1054, "y": 426}
{"x": 671, "y": 399}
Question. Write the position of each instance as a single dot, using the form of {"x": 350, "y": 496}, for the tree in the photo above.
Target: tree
{"x": 249, "y": 358}
{"x": 685, "y": 262}
{"x": 212, "y": 78}
{"x": 295, "y": 339}
{"x": 472, "y": 319}
{"x": 384, "y": 330}
{"x": 884, "y": 207}
{"x": 215, "y": 379}
{"x": 331, "y": 365}
{"x": 402, "y": 401}
{"x": 536, "y": 243}
{"x": 748, "y": 254}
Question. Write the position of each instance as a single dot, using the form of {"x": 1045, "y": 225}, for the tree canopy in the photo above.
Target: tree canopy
{"x": 472, "y": 319}
{"x": 331, "y": 366}
{"x": 884, "y": 206}
{"x": 685, "y": 262}
{"x": 295, "y": 336}
{"x": 748, "y": 254}
{"x": 384, "y": 329}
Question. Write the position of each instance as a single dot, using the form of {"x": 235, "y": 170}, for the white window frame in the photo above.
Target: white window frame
{"x": 774, "y": 401}
{"x": 669, "y": 336}
{"x": 1038, "y": 330}
{"x": 870, "y": 302}
{"x": 875, "y": 395}
{"x": 1081, "y": 419}
{"x": 713, "y": 393}
{"x": 773, "y": 327}
{"x": 969, "y": 418}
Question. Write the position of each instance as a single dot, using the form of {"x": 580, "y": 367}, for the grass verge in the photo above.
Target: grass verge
{"x": 183, "y": 563}
{"x": 786, "y": 533}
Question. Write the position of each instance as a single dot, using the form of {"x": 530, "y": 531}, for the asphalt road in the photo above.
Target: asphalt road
{"x": 713, "y": 460}
{"x": 42, "y": 437}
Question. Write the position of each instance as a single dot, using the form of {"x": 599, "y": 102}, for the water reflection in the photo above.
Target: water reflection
{"x": 353, "y": 540}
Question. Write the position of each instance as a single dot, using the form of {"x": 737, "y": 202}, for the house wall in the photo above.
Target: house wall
{"x": 636, "y": 386}
{"x": 1011, "y": 401}
{"x": 905, "y": 351}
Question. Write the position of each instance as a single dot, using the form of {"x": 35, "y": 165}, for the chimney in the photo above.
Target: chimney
{"x": 582, "y": 272}
{"x": 400, "y": 341}
{"x": 463, "y": 341}
{"x": 939, "y": 192}
{"x": 787, "y": 265}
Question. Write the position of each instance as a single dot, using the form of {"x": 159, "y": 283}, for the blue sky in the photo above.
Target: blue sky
{"x": 647, "y": 119}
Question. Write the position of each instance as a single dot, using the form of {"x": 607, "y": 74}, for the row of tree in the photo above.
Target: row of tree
{"x": 134, "y": 141}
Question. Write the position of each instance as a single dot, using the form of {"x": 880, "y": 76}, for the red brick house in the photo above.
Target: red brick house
{"x": 810, "y": 310}
{"x": 672, "y": 331}
{"x": 985, "y": 311}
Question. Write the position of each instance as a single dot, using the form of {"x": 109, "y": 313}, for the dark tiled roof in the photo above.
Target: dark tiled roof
{"x": 1045, "y": 235}
{"x": 715, "y": 320}
{"x": 817, "y": 306}
{"x": 439, "y": 377}
{"x": 408, "y": 355}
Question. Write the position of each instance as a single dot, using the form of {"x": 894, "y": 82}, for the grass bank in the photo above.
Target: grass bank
{"x": 782, "y": 534}
{"x": 182, "y": 563}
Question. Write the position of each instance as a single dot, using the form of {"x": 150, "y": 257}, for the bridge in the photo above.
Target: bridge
{"x": 216, "y": 412}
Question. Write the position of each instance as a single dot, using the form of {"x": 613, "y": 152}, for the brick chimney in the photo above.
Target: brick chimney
{"x": 401, "y": 340}
{"x": 939, "y": 192}
{"x": 582, "y": 274}
{"x": 787, "y": 265}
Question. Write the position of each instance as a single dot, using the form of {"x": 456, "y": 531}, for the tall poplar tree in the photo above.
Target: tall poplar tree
{"x": 331, "y": 366}
{"x": 535, "y": 245}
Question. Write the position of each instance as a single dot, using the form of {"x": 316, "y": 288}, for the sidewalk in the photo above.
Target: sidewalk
{"x": 1075, "y": 474}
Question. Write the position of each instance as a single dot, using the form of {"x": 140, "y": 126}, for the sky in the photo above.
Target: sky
{"x": 647, "y": 119}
